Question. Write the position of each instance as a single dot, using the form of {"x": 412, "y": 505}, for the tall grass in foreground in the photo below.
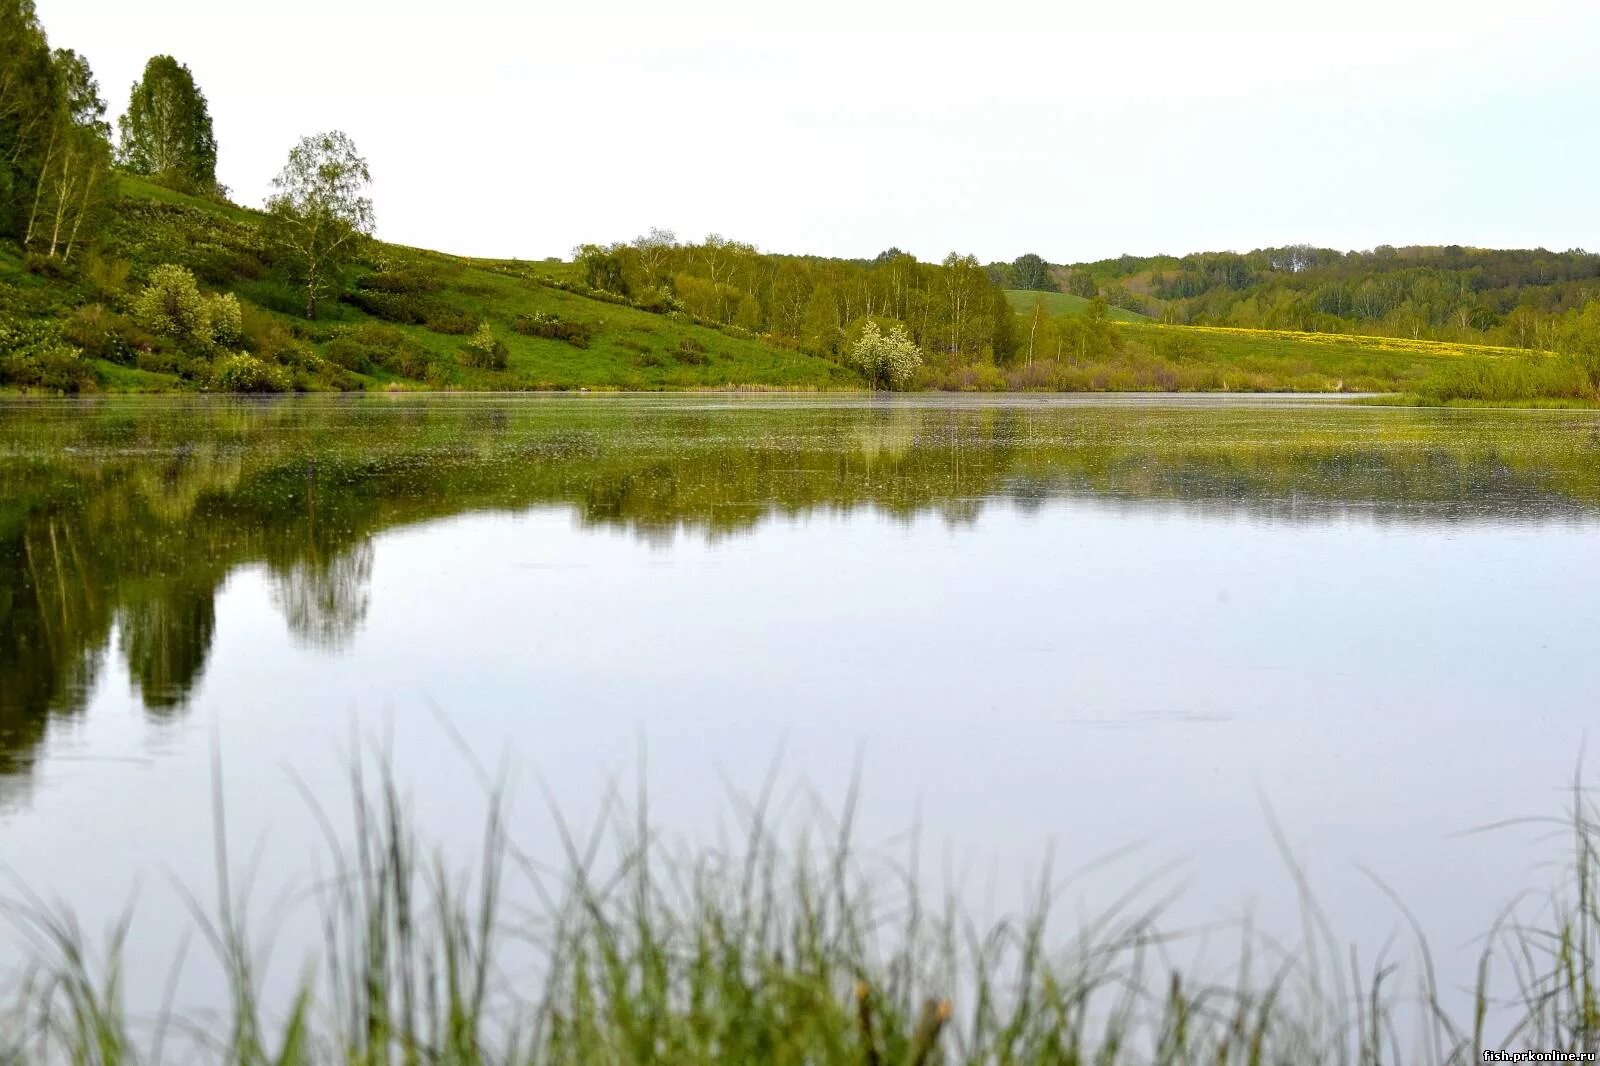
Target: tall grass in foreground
{"x": 777, "y": 951}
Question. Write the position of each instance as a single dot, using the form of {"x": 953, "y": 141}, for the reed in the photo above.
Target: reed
{"x": 789, "y": 948}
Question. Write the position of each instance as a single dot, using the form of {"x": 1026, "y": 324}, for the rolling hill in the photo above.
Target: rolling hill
{"x": 402, "y": 324}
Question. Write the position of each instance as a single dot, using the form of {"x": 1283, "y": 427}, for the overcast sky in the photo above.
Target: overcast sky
{"x": 1078, "y": 131}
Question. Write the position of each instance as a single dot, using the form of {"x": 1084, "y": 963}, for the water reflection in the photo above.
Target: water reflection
{"x": 325, "y": 600}
{"x": 120, "y": 522}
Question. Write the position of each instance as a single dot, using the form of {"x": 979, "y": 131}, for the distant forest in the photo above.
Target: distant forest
{"x": 1519, "y": 298}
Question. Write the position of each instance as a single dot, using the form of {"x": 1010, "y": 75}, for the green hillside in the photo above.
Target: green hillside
{"x": 406, "y": 319}
{"x": 1062, "y": 303}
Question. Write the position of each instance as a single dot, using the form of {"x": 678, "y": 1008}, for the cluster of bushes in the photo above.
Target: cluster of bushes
{"x": 887, "y": 360}
{"x": 407, "y": 296}
{"x": 658, "y": 300}
{"x": 692, "y": 352}
{"x": 372, "y": 346}
{"x": 1532, "y": 377}
{"x": 1124, "y": 371}
{"x": 218, "y": 249}
{"x": 539, "y": 324}
{"x": 34, "y": 354}
{"x": 654, "y": 299}
{"x": 688, "y": 352}
{"x": 172, "y": 306}
{"x": 103, "y": 334}
{"x": 245, "y": 373}
{"x": 587, "y": 291}
{"x": 484, "y": 350}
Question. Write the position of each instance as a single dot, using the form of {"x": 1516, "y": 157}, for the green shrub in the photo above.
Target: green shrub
{"x": 148, "y": 232}
{"x": 539, "y": 324}
{"x": 227, "y": 319}
{"x": 267, "y": 337}
{"x": 1544, "y": 377}
{"x": 439, "y": 374}
{"x": 485, "y": 351}
{"x": 246, "y": 373}
{"x": 372, "y": 345}
{"x": 405, "y": 280}
{"x": 344, "y": 352}
{"x": 172, "y": 305}
{"x": 108, "y": 276}
{"x": 226, "y": 266}
{"x": 658, "y": 300}
{"x": 159, "y": 361}
{"x": 888, "y": 361}
{"x": 450, "y": 320}
{"x": 104, "y": 334}
{"x": 405, "y": 308}
{"x": 34, "y": 355}
{"x": 692, "y": 352}
{"x": 50, "y": 266}
{"x": 402, "y": 295}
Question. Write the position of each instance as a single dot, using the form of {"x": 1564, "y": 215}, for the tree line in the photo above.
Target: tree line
{"x": 952, "y": 310}
{"x": 1520, "y": 298}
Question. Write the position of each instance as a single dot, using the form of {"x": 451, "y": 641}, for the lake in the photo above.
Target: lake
{"x": 1129, "y": 635}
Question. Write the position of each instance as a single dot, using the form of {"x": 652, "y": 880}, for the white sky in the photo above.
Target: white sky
{"x": 1078, "y": 131}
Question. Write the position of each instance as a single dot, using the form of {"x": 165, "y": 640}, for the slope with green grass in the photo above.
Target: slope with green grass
{"x": 405, "y": 322}
{"x": 417, "y": 319}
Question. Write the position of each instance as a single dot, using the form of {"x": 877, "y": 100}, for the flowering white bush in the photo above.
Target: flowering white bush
{"x": 246, "y": 373}
{"x": 227, "y": 319}
{"x": 887, "y": 362}
{"x": 484, "y": 349}
{"x": 173, "y": 304}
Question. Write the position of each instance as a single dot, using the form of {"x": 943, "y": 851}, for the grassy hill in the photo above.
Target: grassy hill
{"x": 408, "y": 319}
{"x": 404, "y": 323}
{"x": 1063, "y": 303}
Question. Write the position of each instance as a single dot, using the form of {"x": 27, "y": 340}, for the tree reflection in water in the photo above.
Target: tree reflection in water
{"x": 124, "y": 519}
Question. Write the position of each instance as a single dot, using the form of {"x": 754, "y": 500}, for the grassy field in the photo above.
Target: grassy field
{"x": 812, "y": 954}
{"x": 1062, "y": 303}
{"x": 1322, "y": 361}
{"x": 1150, "y": 356}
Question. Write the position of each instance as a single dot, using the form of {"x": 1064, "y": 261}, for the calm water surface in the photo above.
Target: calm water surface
{"x": 1024, "y": 624}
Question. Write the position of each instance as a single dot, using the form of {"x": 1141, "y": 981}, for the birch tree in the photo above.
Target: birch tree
{"x": 72, "y": 180}
{"x": 319, "y": 215}
{"x": 964, "y": 281}
{"x": 29, "y": 111}
{"x": 166, "y": 132}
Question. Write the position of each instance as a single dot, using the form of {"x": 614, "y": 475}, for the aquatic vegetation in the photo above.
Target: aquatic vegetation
{"x": 783, "y": 948}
